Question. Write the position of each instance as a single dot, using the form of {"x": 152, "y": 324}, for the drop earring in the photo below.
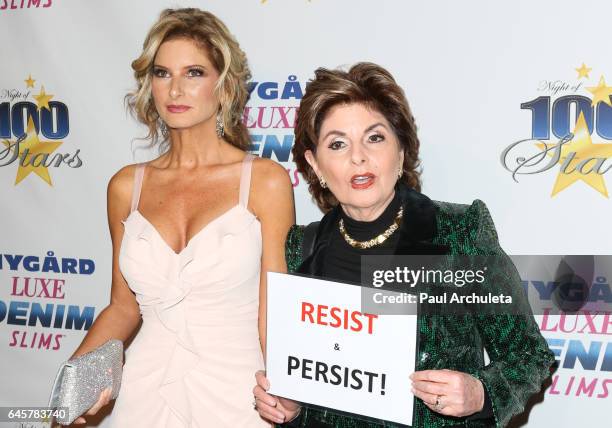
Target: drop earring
{"x": 163, "y": 128}
{"x": 322, "y": 182}
{"x": 219, "y": 126}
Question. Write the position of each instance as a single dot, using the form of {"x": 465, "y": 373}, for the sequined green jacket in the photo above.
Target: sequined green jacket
{"x": 520, "y": 359}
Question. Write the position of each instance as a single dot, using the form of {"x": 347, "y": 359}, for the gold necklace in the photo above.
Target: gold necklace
{"x": 362, "y": 245}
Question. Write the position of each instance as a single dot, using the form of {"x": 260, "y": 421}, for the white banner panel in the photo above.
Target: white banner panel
{"x": 321, "y": 349}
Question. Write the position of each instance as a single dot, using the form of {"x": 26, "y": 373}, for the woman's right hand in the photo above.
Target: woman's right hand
{"x": 103, "y": 400}
{"x": 270, "y": 407}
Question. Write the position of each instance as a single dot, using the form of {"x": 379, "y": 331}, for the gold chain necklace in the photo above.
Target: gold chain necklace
{"x": 362, "y": 245}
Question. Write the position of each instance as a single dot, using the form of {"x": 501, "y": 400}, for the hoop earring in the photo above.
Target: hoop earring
{"x": 322, "y": 182}
{"x": 219, "y": 126}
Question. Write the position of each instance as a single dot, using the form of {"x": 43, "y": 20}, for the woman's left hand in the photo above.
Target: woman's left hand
{"x": 448, "y": 392}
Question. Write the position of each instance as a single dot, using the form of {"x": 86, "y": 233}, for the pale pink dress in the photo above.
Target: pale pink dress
{"x": 192, "y": 364}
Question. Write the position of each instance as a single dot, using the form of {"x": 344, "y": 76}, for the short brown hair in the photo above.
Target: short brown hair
{"x": 364, "y": 83}
{"x": 223, "y": 51}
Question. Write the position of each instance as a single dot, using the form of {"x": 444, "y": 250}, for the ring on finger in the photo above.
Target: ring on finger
{"x": 255, "y": 403}
{"x": 438, "y": 404}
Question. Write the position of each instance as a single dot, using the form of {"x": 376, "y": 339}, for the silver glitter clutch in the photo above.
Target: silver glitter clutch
{"x": 80, "y": 381}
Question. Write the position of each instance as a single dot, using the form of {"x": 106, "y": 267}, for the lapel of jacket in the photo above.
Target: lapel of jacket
{"x": 419, "y": 225}
{"x": 313, "y": 264}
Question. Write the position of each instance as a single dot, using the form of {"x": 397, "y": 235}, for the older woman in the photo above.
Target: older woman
{"x": 193, "y": 234}
{"x": 356, "y": 145}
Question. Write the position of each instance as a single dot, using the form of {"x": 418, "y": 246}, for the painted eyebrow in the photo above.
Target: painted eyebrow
{"x": 184, "y": 68}
{"x": 334, "y": 132}
{"x": 369, "y": 128}
{"x": 343, "y": 134}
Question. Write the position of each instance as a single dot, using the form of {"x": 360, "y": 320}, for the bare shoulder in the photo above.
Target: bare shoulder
{"x": 119, "y": 191}
{"x": 268, "y": 175}
{"x": 271, "y": 189}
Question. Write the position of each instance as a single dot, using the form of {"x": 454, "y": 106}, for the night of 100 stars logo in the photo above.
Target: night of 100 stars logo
{"x": 33, "y": 125}
{"x": 580, "y": 148}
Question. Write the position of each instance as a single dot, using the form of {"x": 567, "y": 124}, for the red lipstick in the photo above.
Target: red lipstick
{"x": 362, "y": 181}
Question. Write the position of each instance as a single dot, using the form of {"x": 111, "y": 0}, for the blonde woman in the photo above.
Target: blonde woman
{"x": 194, "y": 232}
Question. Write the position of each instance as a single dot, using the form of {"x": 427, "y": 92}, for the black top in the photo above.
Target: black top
{"x": 343, "y": 262}
{"x": 416, "y": 232}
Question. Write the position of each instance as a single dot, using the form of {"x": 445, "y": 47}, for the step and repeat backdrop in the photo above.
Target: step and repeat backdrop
{"x": 495, "y": 88}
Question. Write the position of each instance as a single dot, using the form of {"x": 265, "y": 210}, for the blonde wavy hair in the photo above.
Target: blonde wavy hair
{"x": 206, "y": 30}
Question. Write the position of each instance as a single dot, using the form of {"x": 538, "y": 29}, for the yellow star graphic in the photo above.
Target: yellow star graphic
{"x": 43, "y": 99}
{"x": 33, "y": 154}
{"x": 583, "y": 71}
{"x": 584, "y": 160}
{"x": 29, "y": 82}
{"x": 601, "y": 93}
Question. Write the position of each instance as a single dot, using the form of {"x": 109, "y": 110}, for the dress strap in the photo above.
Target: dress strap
{"x": 245, "y": 179}
{"x": 138, "y": 175}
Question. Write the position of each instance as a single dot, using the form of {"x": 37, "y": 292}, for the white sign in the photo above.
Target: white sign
{"x": 322, "y": 350}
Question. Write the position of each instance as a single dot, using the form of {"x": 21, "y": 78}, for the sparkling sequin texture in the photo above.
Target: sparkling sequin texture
{"x": 80, "y": 380}
{"x": 520, "y": 357}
